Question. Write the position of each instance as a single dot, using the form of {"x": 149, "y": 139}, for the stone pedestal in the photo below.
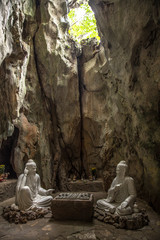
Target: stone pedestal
{"x": 131, "y": 222}
{"x": 86, "y": 186}
{"x": 73, "y": 206}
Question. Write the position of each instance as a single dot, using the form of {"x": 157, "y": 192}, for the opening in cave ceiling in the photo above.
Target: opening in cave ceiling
{"x": 82, "y": 21}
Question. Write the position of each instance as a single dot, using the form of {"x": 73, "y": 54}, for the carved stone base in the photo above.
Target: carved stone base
{"x": 132, "y": 222}
{"x": 17, "y": 216}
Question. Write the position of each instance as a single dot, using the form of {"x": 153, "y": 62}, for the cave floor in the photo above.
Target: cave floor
{"x": 48, "y": 229}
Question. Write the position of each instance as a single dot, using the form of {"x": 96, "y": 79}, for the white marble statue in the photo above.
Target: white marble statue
{"x": 122, "y": 193}
{"x": 29, "y": 193}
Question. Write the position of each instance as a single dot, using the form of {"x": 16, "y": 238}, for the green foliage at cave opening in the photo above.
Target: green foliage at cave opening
{"x": 82, "y": 23}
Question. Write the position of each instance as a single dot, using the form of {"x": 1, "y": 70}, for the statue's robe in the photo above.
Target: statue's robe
{"x": 125, "y": 193}
{"x": 31, "y": 194}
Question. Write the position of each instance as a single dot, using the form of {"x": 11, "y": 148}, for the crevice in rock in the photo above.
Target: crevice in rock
{"x": 37, "y": 3}
{"x": 81, "y": 87}
{"x": 15, "y": 137}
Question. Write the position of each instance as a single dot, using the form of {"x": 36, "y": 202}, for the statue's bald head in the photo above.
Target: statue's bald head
{"x": 31, "y": 165}
{"x": 123, "y": 164}
{"x": 121, "y": 168}
{"x": 30, "y": 162}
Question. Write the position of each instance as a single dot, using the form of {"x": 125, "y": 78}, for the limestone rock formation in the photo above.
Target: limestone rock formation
{"x": 39, "y": 88}
{"x": 130, "y": 33}
{"x": 92, "y": 65}
{"x": 71, "y": 111}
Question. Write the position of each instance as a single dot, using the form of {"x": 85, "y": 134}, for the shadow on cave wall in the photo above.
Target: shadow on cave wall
{"x": 6, "y": 153}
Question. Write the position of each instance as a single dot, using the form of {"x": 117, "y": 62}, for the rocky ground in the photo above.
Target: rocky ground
{"x": 47, "y": 228}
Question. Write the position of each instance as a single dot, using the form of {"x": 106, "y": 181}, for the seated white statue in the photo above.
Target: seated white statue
{"x": 122, "y": 193}
{"x": 29, "y": 193}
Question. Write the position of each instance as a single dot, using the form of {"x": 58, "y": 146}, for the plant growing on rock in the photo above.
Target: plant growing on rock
{"x": 2, "y": 168}
{"x": 82, "y": 23}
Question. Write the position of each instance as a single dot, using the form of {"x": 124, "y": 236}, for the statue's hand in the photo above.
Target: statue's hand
{"x": 50, "y": 191}
{"x": 26, "y": 171}
{"x": 124, "y": 204}
{"x": 116, "y": 188}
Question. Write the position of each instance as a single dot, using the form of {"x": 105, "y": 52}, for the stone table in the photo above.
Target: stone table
{"x": 73, "y": 206}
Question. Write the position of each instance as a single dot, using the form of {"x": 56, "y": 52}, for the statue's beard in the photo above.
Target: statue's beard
{"x": 120, "y": 176}
{"x": 32, "y": 173}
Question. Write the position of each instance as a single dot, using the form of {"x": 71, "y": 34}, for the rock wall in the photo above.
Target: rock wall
{"x": 73, "y": 108}
{"x": 130, "y": 33}
{"x": 93, "y": 87}
{"x": 39, "y": 89}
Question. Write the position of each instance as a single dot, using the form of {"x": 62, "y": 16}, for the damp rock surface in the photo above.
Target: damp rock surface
{"x": 130, "y": 38}
{"x": 7, "y": 189}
